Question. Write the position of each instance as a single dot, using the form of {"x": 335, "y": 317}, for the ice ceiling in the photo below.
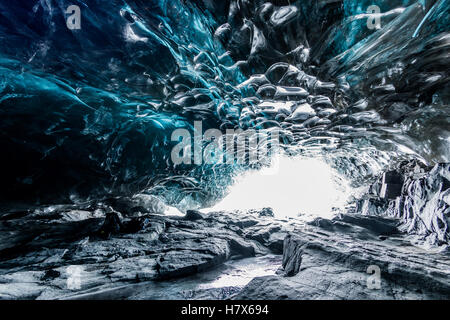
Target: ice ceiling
{"x": 88, "y": 113}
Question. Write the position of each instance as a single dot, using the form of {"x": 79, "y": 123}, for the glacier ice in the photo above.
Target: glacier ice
{"x": 88, "y": 113}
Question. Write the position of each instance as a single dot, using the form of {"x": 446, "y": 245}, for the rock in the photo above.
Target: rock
{"x": 339, "y": 264}
{"x": 241, "y": 248}
{"x": 417, "y": 196}
{"x": 51, "y": 274}
{"x": 276, "y": 242}
{"x": 292, "y": 256}
{"x": 372, "y": 206}
{"x": 120, "y": 204}
{"x": 136, "y": 225}
{"x": 266, "y": 212}
{"x": 178, "y": 263}
{"x": 325, "y": 260}
{"x": 261, "y": 233}
{"x": 193, "y": 215}
{"x": 111, "y": 225}
{"x": 391, "y": 185}
{"x": 377, "y": 226}
{"x": 322, "y": 223}
{"x": 359, "y": 226}
{"x": 269, "y": 288}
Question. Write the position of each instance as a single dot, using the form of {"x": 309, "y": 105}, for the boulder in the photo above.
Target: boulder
{"x": 193, "y": 215}
{"x": 292, "y": 255}
{"x": 111, "y": 225}
{"x": 266, "y": 212}
{"x": 241, "y": 248}
{"x": 392, "y": 184}
{"x": 136, "y": 224}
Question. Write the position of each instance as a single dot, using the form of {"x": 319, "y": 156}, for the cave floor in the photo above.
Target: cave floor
{"x": 75, "y": 254}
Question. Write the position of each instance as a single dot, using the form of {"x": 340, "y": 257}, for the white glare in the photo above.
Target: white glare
{"x": 291, "y": 187}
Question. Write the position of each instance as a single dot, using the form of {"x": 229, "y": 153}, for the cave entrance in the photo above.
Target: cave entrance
{"x": 292, "y": 187}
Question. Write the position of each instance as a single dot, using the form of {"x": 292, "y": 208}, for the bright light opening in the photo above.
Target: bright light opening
{"x": 292, "y": 187}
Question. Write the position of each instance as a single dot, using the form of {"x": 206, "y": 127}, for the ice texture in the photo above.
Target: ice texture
{"x": 88, "y": 114}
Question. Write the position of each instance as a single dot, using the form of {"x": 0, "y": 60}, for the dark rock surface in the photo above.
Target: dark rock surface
{"x": 37, "y": 252}
{"x": 336, "y": 261}
{"x": 193, "y": 215}
{"x": 63, "y": 254}
{"x": 266, "y": 212}
{"x": 292, "y": 256}
{"x": 417, "y": 196}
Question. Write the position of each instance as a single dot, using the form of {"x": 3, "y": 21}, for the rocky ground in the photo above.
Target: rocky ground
{"x": 76, "y": 254}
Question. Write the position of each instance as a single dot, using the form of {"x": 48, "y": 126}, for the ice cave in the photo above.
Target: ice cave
{"x": 233, "y": 149}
